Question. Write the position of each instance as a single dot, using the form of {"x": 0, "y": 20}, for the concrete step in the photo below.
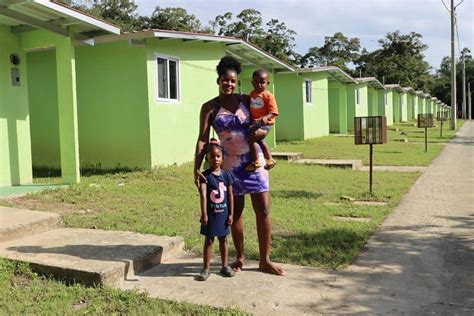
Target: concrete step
{"x": 17, "y": 223}
{"x": 338, "y": 163}
{"x": 92, "y": 256}
{"x": 290, "y": 156}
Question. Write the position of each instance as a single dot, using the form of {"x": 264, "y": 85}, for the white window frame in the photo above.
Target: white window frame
{"x": 310, "y": 82}
{"x": 357, "y": 96}
{"x": 178, "y": 79}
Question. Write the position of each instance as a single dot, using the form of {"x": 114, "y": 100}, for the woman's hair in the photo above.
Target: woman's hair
{"x": 213, "y": 144}
{"x": 228, "y": 63}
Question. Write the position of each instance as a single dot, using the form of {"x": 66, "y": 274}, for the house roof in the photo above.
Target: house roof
{"x": 372, "y": 82}
{"x": 334, "y": 71}
{"x": 245, "y": 51}
{"x": 409, "y": 90}
{"x": 394, "y": 87}
{"x": 26, "y": 15}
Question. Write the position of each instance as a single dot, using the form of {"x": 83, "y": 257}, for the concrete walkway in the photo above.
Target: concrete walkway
{"x": 421, "y": 260}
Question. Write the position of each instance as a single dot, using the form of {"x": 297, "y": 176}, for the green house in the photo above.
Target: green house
{"x": 397, "y": 101}
{"x": 35, "y": 26}
{"x": 304, "y": 98}
{"x": 428, "y": 104}
{"x": 388, "y": 103}
{"x": 139, "y": 95}
{"x": 421, "y": 101}
{"x": 374, "y": 89}
{"x": 411, "y": 102}
{"x": 357, "y": 102}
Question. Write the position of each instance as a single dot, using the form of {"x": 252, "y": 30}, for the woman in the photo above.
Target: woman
{"x": 229, "y": 115}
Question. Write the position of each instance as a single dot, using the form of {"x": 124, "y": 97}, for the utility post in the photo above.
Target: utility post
{"x": 469, "y": 100}
{"x": 464, "y": 113}
{"x": 453, "y": 71}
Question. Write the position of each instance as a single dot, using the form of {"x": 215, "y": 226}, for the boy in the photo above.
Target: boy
{"x": 264, "y": 110}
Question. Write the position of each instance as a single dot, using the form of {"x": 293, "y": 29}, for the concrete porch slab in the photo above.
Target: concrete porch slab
{"x": 290, "y": 156}
{"x": 338, "y": 163}
{"x": 17, "y": 223}
{"x": 92, "y": 256}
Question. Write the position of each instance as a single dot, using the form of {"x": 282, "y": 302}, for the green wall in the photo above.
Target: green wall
{"x": 388, "y": 112}
{"x": 354, "y": 109}
{"x": 112, "y": 106}
{"x": 403, "y": 107}
{"x": 15, "y": 146}
{"x": 316, "y": 114}
{"x": 337, "y": 107}
{"x": 410, "y": 111}
{"x": 396, "y": 107}
{"x": 421, "y": 105}
{"x": 174, "y": 126}
{"x": 44, "y": 116}
{"x": 289, "y": 94}
{"x": 373, "y": 101}
{"x": 416, "y": 107}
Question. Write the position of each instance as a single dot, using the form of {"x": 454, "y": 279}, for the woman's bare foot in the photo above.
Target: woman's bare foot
{"x": 271, "y": 268}
{"x": 237, "y": 265}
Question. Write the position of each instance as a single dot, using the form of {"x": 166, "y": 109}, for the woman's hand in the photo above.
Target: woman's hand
{"x": 230, "y": 219}
{"x": 199, "y": 178}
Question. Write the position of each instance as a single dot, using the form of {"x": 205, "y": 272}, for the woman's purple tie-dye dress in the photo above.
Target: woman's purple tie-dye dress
{"x": 232, "y": 129}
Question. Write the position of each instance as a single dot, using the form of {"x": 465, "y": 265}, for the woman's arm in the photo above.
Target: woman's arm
{"x": 230, "y": 203}
{"x": 203, "y": 200}
{"x": 202, "y": 140}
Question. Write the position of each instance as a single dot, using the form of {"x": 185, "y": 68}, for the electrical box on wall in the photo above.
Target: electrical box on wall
{"x": 15, "y": 77}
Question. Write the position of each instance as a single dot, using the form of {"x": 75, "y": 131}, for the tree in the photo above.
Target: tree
{"x": 338, "y": 50}
{"x": 175, "y": 19}
{"x": 399, "y": 60}
{"x": 275, "y": 38}
{"x": 441, "y": 86}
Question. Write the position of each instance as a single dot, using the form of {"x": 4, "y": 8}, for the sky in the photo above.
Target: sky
{"x": 369, "y": 20}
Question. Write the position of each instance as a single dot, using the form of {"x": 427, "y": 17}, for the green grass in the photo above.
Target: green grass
{"x": 391, "y": 154}
{"x": 165, "y": 202}
{"x": 23, "y": 292}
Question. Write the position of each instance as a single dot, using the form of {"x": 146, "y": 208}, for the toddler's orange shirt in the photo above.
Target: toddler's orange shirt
{"x": 263, "y": 103}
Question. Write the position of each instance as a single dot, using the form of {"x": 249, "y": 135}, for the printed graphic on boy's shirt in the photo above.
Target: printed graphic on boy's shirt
{"x": 256, "y": 103}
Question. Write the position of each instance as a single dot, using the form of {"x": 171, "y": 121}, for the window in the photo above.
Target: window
{"x": 168, "y": 78}
{"x": 401, "y": 99}
{"x": 357, "y": 92}
{"x": 308, "y": 90}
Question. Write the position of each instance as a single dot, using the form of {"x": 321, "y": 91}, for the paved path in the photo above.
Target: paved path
{"x": 421, "y": 260}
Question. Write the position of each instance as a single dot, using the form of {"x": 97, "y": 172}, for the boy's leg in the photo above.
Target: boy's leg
{"x": 223, "y": 248}
{"x": 253, "y": 146}
{"x": 265, "y": 149}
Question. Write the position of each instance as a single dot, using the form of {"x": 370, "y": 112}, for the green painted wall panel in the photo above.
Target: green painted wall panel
{"x": 410, "y": 107}
{"x": 353, "y": 109}
{"x": 15, "y": 146}
{"x": 44, "y": 117}
{"x": 337, "y": 107}
{"x": 389, "y": 107}
{"x": 403, "y": 107}
{"x": 113, "y": 106}
{"x": 174, "y": 126}
{"x": 289, "y": 94}
{"x": 373, "y": 101}
{"x": 316, "y": 114}
{"x": 396, "y": 107}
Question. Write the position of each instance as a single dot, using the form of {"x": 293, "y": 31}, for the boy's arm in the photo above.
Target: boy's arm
{"x": 203, "y": 199}
{"x": 230, "y": 203}
{"x": 272, "y": 108}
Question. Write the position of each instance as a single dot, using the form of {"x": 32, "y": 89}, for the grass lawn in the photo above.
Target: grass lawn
{"x": 164, "y": 202}
{"x": 391, "y": 154}
{"x": 23, "y": 292}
